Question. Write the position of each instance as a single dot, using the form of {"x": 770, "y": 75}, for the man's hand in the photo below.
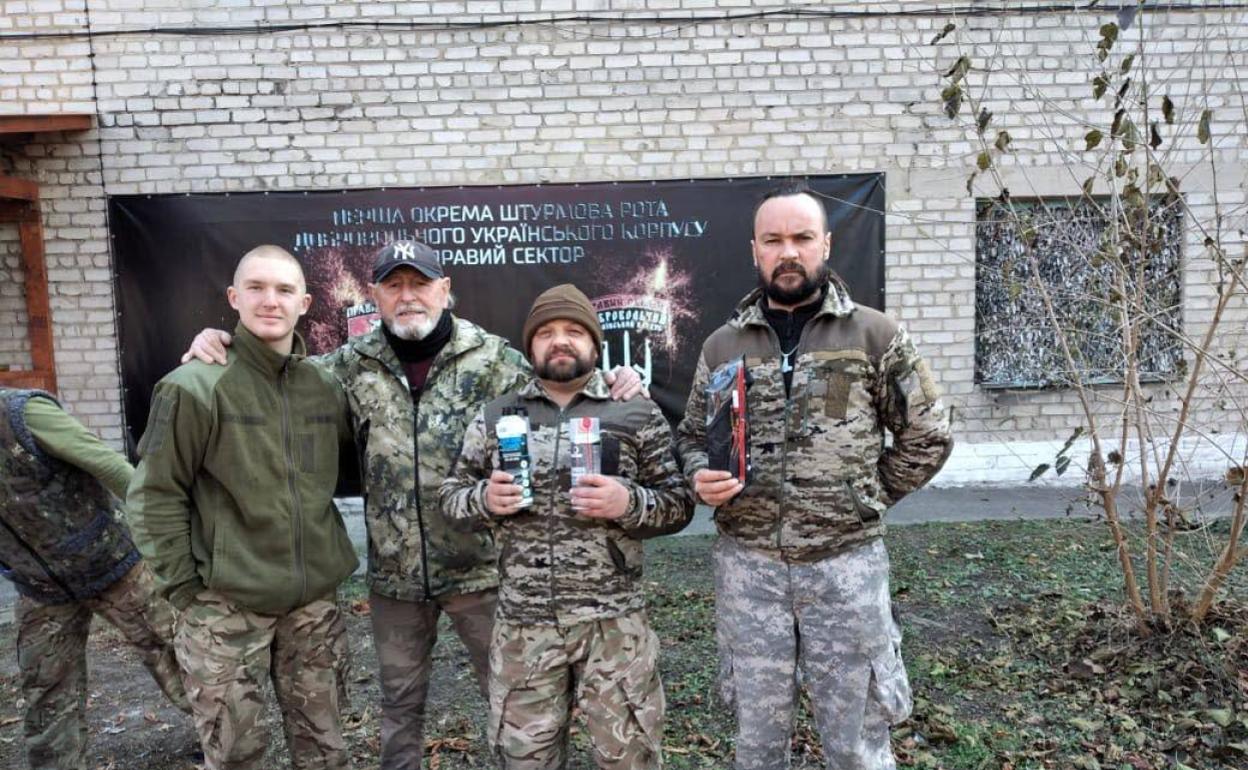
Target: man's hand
{"x": 209, "y": 346}
{"x": 716, "y": 487}
{"x": 625, "y": 383}
{"x": 600, "y": 497}
{"x": 502, "y": 497}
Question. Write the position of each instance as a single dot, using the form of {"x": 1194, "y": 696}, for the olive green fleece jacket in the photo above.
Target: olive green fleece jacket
{"x": 234, "y": 488}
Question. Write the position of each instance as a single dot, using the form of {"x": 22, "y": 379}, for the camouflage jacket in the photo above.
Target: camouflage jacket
{"x": 822, "y": 476}
{"x": 61, "y": 537}
{"x": 557, "y": 567}
{"x": 406, "y": 450}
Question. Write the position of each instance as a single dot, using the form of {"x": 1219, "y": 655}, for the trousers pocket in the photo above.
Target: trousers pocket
{"x": 511, "y": 670}
{"x": 890, "y": 686}
{"x": 643, "y": 691}
{"x": 866, "y": 514}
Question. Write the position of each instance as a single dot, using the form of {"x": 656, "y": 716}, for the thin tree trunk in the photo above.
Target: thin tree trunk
{"x": 1228, "y": 558}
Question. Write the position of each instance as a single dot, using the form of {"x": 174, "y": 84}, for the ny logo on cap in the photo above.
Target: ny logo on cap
{"x": 404, "y": 251}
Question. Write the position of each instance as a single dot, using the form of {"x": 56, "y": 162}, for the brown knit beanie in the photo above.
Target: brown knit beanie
{"x": 565, "y": 302}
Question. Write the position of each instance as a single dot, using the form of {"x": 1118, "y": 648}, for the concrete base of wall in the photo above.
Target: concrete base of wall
{"x": 1010, "y": 463}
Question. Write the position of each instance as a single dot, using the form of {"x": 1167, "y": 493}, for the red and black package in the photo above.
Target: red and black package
{"x": 727, "y": 423}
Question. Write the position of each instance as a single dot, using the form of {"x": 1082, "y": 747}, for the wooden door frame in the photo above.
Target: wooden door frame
{"x": 19, "y": 205}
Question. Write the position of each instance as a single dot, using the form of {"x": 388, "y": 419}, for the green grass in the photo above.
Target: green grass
{"x": 1018, "y": 651}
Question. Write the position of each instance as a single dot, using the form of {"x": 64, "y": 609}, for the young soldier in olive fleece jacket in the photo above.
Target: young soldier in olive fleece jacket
{"x": 571, "y": 614}
{"x": 232, "y": 505}
{"x": 65, "y": 547}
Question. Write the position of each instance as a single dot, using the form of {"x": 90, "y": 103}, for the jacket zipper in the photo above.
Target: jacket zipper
{"x": 39, "y": 560}
{"x": 788, "y": 409}
{"x": 283, "y": 381}
{"x": 554, "y": 507}
{"x": 420, "y": 514}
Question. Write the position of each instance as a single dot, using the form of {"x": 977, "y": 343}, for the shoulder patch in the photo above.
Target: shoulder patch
{"x": 158, "y": 425}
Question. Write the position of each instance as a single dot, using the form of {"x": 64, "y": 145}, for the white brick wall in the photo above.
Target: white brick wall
{"x": 14, "y": 345}
{"x": 360, "y": 107}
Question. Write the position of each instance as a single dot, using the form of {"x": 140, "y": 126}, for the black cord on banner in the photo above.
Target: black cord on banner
{"x": 108, "y": 237}
{"x": 675, "y": 18}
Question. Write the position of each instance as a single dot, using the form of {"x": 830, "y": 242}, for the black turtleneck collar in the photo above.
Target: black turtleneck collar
{"x": 409, "y": 351}
{"x": 788, "y": 328}
{"x": 788, "y": 325}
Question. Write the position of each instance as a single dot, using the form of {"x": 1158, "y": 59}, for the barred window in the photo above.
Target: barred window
{"x": 1085, "y": 275}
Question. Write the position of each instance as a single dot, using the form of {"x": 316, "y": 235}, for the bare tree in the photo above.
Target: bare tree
{"x": 1130, "y": 168}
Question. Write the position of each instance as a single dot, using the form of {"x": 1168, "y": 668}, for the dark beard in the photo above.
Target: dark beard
{"x": 803, "y": 292}
{"x": 564, "y": 371}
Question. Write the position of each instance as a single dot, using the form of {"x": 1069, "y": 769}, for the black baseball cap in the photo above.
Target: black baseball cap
{"x": 406, "y": 254}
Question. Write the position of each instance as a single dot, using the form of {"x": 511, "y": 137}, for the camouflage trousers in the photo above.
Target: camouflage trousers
{"x": 52, "y": 660}
{"x": 404, "y": 633}
{"x": 227, "y": 653}
{"x": 831, "y": 621}
{"x": 609, "y": 666}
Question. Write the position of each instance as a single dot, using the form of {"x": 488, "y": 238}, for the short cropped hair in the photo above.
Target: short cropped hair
{"x": 788, "y": 188}
{"x": 269, "y": 251}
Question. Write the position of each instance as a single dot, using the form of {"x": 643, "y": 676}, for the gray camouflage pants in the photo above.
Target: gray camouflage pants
{"x": 227, "y": 652}
{"x": 52, "y": 659}
{"x": 404, "y": 633}
{"x": 832, "y": 621}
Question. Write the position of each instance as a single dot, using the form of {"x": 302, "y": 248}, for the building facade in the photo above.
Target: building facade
{"x": 252, "y": 95}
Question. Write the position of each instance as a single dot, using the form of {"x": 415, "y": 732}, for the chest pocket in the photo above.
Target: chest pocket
{"x": 613, "y": 464}
{"x": 614, "y": 459}
{"x": 835, "y": 379}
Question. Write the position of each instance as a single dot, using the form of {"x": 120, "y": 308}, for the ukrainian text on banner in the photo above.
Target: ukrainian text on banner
{"x": 664, "y": 262}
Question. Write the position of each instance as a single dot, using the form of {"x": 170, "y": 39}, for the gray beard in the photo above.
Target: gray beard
{"x": 413, "y": 332}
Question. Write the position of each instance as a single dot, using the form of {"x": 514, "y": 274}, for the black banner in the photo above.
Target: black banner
{"x": 664, "y": 262}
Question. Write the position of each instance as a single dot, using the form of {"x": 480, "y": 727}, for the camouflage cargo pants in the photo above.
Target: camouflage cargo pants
{"x": 832, "y": 620}
{"x": 404, "y": 633}
{"x": 227, "y": 652}
{"x": 52, "y": 659}
{"x": 610, "y": 666}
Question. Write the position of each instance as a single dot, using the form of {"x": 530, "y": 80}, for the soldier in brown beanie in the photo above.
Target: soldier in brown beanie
{"x": 571, "y": 627}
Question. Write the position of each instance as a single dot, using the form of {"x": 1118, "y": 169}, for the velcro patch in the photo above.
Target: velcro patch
{"x": 931, "y": 391}
{"x": 242, "y": 419}
{"x": 158, "y": 426}
{"x": 836, "y": 402}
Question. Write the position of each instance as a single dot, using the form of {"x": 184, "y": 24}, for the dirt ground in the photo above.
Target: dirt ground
{"x": 1016, "y": 643}
{"x": 132, "y": 727}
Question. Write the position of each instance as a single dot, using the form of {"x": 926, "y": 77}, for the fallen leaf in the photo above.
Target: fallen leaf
{"x": 1223, "y": 717}
{"x": 1084, "y": 725}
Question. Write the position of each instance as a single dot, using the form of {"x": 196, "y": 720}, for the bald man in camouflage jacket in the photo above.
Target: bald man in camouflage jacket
{"x": 801, "y": 572}
{"x": 571, "y": 616}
